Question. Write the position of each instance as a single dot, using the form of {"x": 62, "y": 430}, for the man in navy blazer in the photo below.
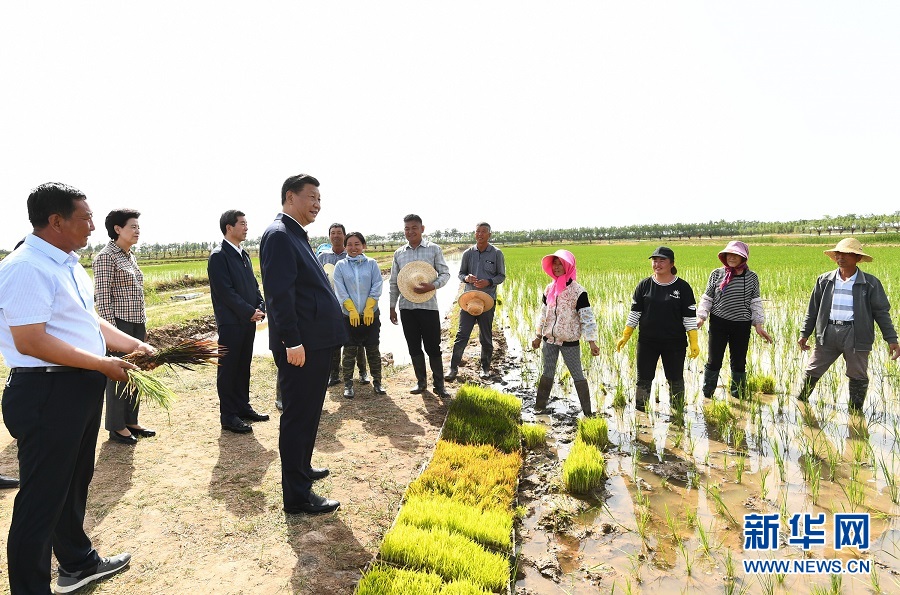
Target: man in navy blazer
{"x": 305, "y": 327}
{"x": 238, "y": 306}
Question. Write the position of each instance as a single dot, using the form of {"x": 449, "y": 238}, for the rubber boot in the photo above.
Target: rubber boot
{"x": 809, "y": 383}
{"x": 437, "y": 372}
{"x": 485, "y": 363}
{"x": 710, "y": 380}
{"x": 642, "y": 394}
{"x": 676, "y": 395}
{"x": 858, "y": 390}
{"x": 584, "y": 396}
{"x": 335, "y": 376}
{"x": 361, "y": 354}
{"x": 418, "y": 363}
{"x": 348, "y": 388}
{"x": 545, "y": 385}
{"x": 738, "y": 386}
{"x": 347, "y": 363}
{"x": 455, "y": 360}
{"x": 373, "y": 356}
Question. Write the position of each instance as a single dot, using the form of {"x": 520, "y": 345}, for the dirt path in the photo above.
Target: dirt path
{"x": 201, "y": 509}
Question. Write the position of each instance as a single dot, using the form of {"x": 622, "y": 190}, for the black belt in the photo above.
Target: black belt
{"x": 46, "y": 369}
{"x": 841, "y": 322}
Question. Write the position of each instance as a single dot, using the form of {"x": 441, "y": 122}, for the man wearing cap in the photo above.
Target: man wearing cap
{"x": 305, "y": 326}
{"x": 419, "y": 308}
{"x": 845, "y": 305}
{"x": 337, "y": 234}
{"x": 482, "y": 269}
{"x": 55, "y": 345}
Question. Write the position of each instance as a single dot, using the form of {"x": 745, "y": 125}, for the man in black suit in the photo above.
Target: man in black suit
{"x": 238, "y": 306}
{"x": 305, "y": 327}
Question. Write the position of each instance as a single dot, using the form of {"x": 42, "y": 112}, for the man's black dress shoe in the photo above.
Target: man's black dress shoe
{"x": 142, "y": 432}
{"x": 451, "y": 375}
{"x": 254, "y": 416}
{"x": 117, "y": 437}
{"x": 315, "y": 505}
{"x": 8, "y": 482}
{"x": 334, "y": 381}
{"x": 315, "y": 473}
{"x": 238, "y": 426}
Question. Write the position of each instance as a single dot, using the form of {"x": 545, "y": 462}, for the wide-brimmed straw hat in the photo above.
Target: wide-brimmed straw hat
{"x": 735, "y": 247}
{"x": 475, "y": 302}
{"x": 849, "y": 246}
{"x": 411, "y": 275}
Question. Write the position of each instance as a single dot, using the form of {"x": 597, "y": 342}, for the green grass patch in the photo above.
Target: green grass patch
{"x": 594, "y": 430}
{"x": 491, "y": 527}
{"x": 480, "y": 476}
{"x": 481, "y": 415}
{"x": 387, "y": 580}
{"x": 450, "y": 555}
{"x": 534, "y": 436}
{"x": 583, "y": 469}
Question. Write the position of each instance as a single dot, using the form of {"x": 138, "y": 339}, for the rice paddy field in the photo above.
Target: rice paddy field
{"x": 678, "y": 487}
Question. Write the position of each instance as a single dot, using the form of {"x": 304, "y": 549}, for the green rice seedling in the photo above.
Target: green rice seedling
{"x": 150, "y": 389}
{"x": 729, "y": 566}
{"x": 594, "y": 430}
{"x": 719, "y": 415}
{"x": 620, "y": 398}
{"x": 855, "y": 491}
{"x": 480, "y": 415}
{"x": 767, "y": 583}
{"x": 481, "y": 476}
{"x": 691, "y": 516}
{"x": 677, "y": 439}
{"x": 534, "y": 436}
{"x": 583, "y": 469}
{"x": 761, "y": 383}
{"x": 739, "y": 467}
{"x": 890, "y": 480}
{"x": 447, "y": 554}
{"x": 706, "y": 545}
{"x": 688, "y": 562}
{"x": 875, "y": 580}
{"x": 462, "y": 587}
{"x": 716, "y": 495}
{"x": 779, "y": 457}
{"x": 834, "y": 459}
{"x": 491, "y": 527}
{"x": 672, "y": 523}
{"x": 763, "y": 474}
{"x": 387, "y": 580}
{"x": 815, "y": 481}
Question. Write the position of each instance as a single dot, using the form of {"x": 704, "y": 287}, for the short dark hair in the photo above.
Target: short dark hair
{"x": 118, "y": 217}
{"x": 483, "y": 224}
{"x": 412, "y": 217}
{"x": 52, "y": 198}
{"x": 229, "y": 217}
{"x": 296, "y": 184}
{"x": 356, "y": 234}
{"x": 341, "y": 225}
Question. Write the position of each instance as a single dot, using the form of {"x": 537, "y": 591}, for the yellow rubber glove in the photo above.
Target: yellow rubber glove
{"x": 626, "y": 334}
{"x": 369, "y": 311}
{"x": 693, "y": 347}
{"x": 354, "y": 315}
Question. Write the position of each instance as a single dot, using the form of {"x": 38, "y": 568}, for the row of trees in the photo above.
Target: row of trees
{"x": 840, "y": 225}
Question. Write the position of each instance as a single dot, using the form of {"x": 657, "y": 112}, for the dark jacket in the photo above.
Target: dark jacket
{"x": 870, "y": 305}
{"x": 302, "y": 308}
{"x": 232, "y": 286}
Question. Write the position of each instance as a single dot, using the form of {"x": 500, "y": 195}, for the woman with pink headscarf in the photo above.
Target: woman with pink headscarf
{"x": 733, "y": 304}
{"x": 566, "y": 316}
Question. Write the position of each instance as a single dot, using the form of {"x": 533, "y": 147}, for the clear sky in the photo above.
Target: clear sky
{"x": 525, "y": 114}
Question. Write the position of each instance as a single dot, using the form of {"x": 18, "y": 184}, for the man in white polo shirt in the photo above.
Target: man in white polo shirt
{"x": 844, "y": 307}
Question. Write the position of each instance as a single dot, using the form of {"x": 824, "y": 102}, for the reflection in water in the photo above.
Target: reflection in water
{"x": 392, "y": 340}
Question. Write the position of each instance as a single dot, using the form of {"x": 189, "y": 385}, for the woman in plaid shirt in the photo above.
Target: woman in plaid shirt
{"x": 119, "y": 299}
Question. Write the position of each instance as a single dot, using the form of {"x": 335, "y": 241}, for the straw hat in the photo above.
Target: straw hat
{"x": 412, "y": 274}
{"x": 851, "y": 246}
{"x": 475, "y": 302}
{"x": 329, "y": 270}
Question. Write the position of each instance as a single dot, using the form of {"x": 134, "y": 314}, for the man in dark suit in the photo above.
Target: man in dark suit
{"x": 305, "y": 326}
{"x": 238, "y": 306}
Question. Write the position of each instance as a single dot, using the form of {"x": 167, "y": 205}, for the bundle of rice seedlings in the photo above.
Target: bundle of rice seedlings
{"x": 534, "y": 436}
{"x": 594, "y": 430}
{"x": 491, "y": 527}
{"x": 186, "y": 354}
{"x": 761, "y": 383}
{"x": 149, "y": 389}
{"x": 583, "y": 469}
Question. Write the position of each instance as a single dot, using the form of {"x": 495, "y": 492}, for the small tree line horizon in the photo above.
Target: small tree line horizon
{"x": 828, "y": 225}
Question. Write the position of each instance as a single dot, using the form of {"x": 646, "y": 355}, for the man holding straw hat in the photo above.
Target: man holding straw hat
{"x": 482, "y": 269}
{"x": 845, "y": 305}
{"x": 418, "y": 270}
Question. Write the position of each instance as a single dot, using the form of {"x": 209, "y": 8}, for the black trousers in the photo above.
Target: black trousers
{"x": 732, "y": 334}
{"x": 422, "y": 328}
{"x": 122, "y": 405}
{"x": 233, "y": 373}
{"x": 55, "y": 419}
{"x": 303, "y": 395}
{"x": 672, "y": 354}
{"x": 467, "y": 322}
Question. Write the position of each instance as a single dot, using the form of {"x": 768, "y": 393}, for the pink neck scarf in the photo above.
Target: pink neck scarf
{"x": 731, "y": 272}
{"x": 559, "y": 283}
